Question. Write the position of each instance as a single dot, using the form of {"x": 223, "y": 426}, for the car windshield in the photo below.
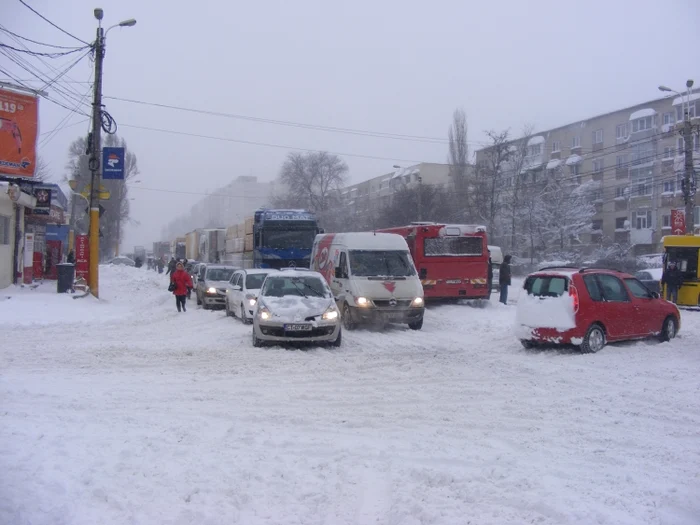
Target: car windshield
{"x": 284, "y": 239}
{"x": 373, "y": 263}
{"x": 295, "y": 286}
{"x": 219, "y": 274}
{"x": 546, "y": 285}
{"x": 254, "y": 281}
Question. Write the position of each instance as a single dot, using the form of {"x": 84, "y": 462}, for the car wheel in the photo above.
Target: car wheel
{"x": 594, "y": 340}
{"x": 244, "y": 317}
{"x": 416, "y": 325}
{"x": 669, "y": 329}
{"x": 257, "y": 343}
{"x": 339, "y": 339}
{"x": 528, "y": 345}
{"x": 348, "y": 322}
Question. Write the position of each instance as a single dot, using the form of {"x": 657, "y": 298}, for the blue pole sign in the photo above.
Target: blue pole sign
{"x": 113, "y": 163}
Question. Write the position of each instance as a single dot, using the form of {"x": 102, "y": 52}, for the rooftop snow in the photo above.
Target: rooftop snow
{"x": 646, "y": 112}
{"x": 553, "y": 164}
{"x": 539, "y": 139}
{"x": 682, "y": 100}
{"x": 370, "y": 241}
{"x": 573, "y": 159}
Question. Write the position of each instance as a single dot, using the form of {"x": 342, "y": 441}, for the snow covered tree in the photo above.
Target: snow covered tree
{"x": 435, "y": 206}
{"x": 458, "y": 159}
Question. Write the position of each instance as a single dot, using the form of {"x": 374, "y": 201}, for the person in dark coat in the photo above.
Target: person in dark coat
{"x": 161, "y": 265}
{"x": 489, "y": 276}
{"x": 171, "y": 266}
{"x": 504, "y": 279}
{"x": 673, "y": 279}
{"x": 183, "y": 284}
{"x": 71, "y": 257}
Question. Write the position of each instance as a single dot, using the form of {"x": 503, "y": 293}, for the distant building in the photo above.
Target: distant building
{"x": 636, "y": 153}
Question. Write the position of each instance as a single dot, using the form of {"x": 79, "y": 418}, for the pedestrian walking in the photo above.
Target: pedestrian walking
{"x": 161, "y": 265}
{"x": 171, "y": 266}
{"x": 673, "y": 279}
{"x": 504, "y": 279}
{"x": 180, "y": 285}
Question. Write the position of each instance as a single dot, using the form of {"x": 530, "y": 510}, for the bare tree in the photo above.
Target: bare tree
{"x": 435, "y": 201}
{"x": 42, "y": 172}
{"x": 458, "y": 160}
{"x": 313, "y": 180}
{"x": 489, "y": 179}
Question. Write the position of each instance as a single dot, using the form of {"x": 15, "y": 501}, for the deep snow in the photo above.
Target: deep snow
{"x": 124, "y": 411}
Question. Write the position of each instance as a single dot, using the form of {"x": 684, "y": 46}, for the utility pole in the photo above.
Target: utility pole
{"x": 420, "y": 198}
{"x": 95, "y": 160}
{"x": 689, "y": 183}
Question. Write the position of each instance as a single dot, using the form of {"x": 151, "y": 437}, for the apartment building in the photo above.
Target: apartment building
{"x": 376, "y": 192}
{"x": 636, "y": 154}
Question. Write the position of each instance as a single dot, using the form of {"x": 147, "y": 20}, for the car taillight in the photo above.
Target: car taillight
{"x": 573, "y": 292}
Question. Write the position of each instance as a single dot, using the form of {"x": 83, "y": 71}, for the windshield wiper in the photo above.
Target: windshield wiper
{"x": 300, "y": 290}
{"x": 314, "y": 290}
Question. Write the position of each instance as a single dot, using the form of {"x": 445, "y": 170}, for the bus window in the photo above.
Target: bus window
{"x": 685, "y": 258}
{"x": 447, "y": 246}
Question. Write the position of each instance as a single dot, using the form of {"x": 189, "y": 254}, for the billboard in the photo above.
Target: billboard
{"x": 678, "y": 222}
{"x": 18, "y": 133}
{"x": 113, "y": 163}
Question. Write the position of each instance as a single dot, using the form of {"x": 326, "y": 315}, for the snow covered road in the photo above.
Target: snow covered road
{"x": 124, "y": 411}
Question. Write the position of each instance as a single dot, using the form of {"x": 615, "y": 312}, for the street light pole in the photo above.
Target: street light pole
{"x": 689, "y": 183}
{"x": 96, "y": 151}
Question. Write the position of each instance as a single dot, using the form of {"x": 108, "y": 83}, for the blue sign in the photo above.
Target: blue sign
{"x": 113, "y": 163}
{"x": 57, "y": 232}
{"x": 289, "y": 215}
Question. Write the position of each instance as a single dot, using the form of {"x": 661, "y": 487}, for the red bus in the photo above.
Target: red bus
{"x": 452, "y": 259}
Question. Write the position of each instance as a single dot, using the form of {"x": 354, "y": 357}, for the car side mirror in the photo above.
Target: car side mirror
{"x": 655, "y": 295}
{"x": 237, "y": 288}
{"x": 423, "y": 273}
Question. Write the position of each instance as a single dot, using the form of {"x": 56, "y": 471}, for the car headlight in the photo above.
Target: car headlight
{"x": 418, "y": 301}
{"x": 362, "y": 301}
{"x": 264, "y": 313}
{"x": 330, "y": 315}
{"x": 211, "y": 289}
{"x": 251, "y": 300}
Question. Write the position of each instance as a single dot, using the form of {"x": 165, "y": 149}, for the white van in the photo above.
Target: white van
{"x": 496, "y": 256}
{"x": 372, "y": 277}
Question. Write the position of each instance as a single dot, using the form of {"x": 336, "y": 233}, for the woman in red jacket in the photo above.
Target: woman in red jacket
{"x": 183, "y": 283}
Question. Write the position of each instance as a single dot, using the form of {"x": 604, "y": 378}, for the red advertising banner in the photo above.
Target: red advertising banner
{"x": 18, "y": 133}
{"x": 678, "y": 222}
{"x": 82, "y": 256}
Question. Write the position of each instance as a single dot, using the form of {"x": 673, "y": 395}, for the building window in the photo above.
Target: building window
{"x": 642, "y": 181}
{"x": 535, "y": 149}
{"x": 598, "y": 136}
{"x": 668, "y": 118}
{"x": 621, "y": 131}
{"x": 556, "y": 146}
{"x": 621, "y": 192}
{"x": 574, "y": 169}
{"x": 622, "y": 161}
{"x": 598, "y": 165}
{"x": 680, "y": 116}
{"x": 669, "y": 152}
{"x": 597, "y": 196}
{"x": 575, "y": 142}
{"x": 4, "y": 230}
{"x": 681, "y": 144}
{"x": 642, "y": 219}
{"x": 597, "y": 225}
{"x": 669, "y": 186}
{"x": 620, "y": 223}
{"x": 643, "y": 153}
{"x": 643, "y": 124}
{"x": 666, "y": 222}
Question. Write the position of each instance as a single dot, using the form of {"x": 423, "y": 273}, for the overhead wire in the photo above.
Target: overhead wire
{"x": 42, "y": 54}
{"x": 51, "y": 23}
{"x": 4, "y": 29}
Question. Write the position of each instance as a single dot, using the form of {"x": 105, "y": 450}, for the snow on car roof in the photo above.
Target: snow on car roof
{"x": 563, "y": 272}
{"x": 260, "y": 270}
{"x": 297, "y": 273}
{"x": 370, "y": 241}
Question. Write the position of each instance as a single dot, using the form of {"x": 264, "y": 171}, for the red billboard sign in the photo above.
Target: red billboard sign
{"x": 678, "y": 222}
{"x": 18, "y": 133}
{"x": 82, "y": 256}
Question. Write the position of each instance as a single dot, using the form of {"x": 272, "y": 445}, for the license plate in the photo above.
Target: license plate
{"x": 297, "y": 328}
{"x": 453, "y": 281}
{"x": 394, "y": 317}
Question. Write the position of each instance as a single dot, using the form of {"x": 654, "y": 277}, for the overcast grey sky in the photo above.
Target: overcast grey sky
{"x": 384, "y": 66}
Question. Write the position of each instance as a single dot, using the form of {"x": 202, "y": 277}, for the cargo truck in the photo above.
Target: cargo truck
{"x": 192, "y": 245}
{"x": 178, "y": 248}
{"x": 212, "y": 245}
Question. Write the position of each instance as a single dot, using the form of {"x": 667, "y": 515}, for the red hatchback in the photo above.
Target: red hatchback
{"x": 590, "y": 307}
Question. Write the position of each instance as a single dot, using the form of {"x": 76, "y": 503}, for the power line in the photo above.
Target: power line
{"x": 360, "y": 132}
{"x": 40, "y": 54}
{"x": 61, "y": 125}
{"x": 266, "y": 144}
{"x": 66, "y": 126}
{"x": 51, "y": 23}
{"x": 33, "y": 41}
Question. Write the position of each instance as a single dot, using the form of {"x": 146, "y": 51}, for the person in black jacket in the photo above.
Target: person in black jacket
{"x": 71, "y": 257}
{"x": 171, "y": 266}
{"x": 673, "y": 279}
{"x": 504, "y": 279}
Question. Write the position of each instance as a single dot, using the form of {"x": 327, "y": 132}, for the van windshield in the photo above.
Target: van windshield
{"x": 374, "y": 263}
{"x": 546, "y": 285}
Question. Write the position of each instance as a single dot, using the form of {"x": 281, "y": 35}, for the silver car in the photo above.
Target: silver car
{"x": 296, "y": 305}
{"x": 211, "y": 285}
{"x": 242, "y": 293}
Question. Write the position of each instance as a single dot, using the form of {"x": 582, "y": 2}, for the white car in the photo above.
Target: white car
{"x": 242, "y": 293}
{"x": 296, "y": 306}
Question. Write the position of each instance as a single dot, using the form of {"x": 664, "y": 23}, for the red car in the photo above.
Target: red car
{"x": 589, "y": 308}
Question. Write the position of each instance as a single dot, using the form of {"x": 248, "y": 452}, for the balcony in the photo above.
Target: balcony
{"x": 641, "y": 236}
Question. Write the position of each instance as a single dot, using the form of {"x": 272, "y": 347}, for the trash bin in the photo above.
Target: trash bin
{"x": 66, "y": 274}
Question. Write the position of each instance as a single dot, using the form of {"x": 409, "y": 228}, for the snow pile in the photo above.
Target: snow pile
{"x": 546, "y": 312}
{"x": 643, "y": 113}
{"x": 290, "y": 308}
